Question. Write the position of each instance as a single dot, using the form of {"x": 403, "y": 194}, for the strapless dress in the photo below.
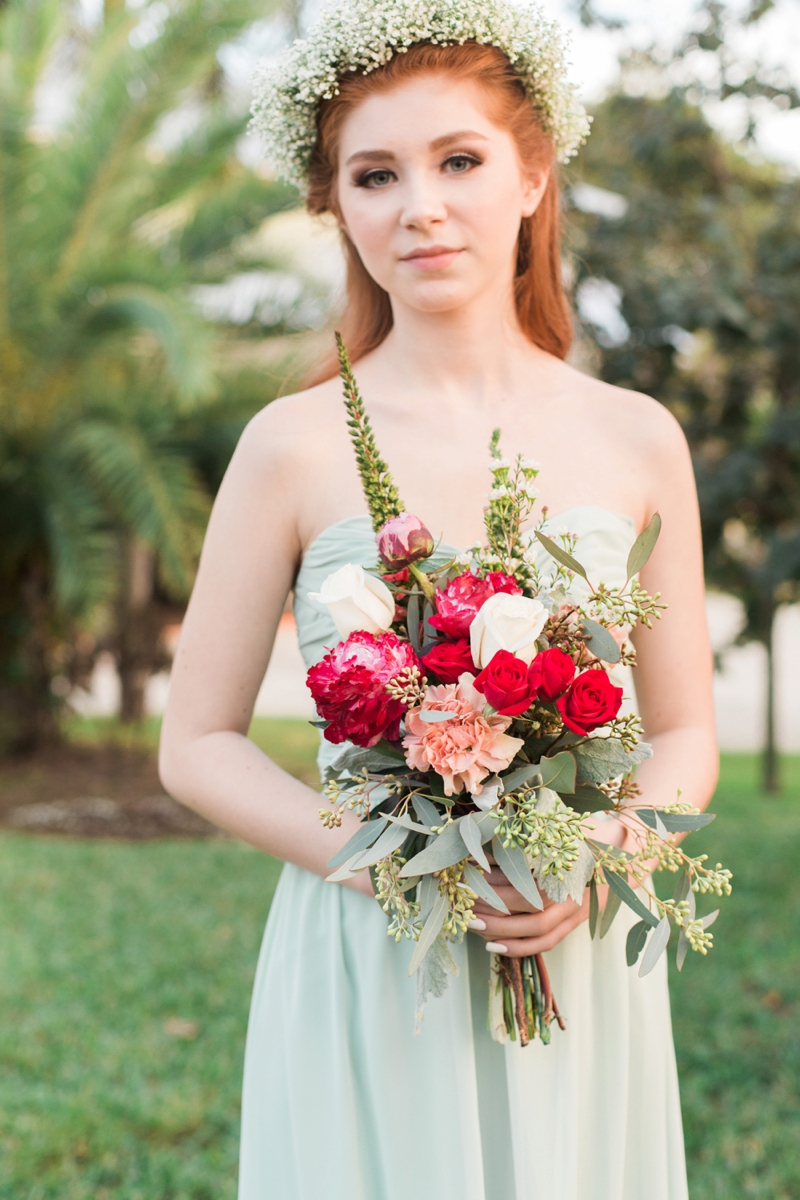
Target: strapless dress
{"x": 341, "y": 1101}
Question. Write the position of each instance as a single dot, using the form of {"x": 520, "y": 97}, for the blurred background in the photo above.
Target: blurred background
{"x": 158, "y": 286}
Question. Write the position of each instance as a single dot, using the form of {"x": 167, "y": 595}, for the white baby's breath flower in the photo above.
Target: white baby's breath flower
{"x": 362, "y": 35}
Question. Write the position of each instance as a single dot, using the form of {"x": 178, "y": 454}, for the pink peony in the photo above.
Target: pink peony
{"x": 463, "y": 750}
{"x": 458, "y": 603}
{"x": 404, "y": 540}
{"x": 349, "y": 687}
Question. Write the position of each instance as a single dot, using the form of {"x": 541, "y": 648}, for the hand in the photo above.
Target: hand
{"x": 527, "y": 930}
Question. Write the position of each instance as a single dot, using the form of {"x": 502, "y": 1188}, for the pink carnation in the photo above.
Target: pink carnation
{"x": 463, "y": 750}
{"x": 349, "y": 687}
{"x": 458, "y": 603}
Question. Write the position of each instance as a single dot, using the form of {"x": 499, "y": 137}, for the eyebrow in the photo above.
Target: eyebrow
{"x": 437, "y": 144}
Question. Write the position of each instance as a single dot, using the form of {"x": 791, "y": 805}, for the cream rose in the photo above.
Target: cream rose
{"x": 506, "y": 622}
{"x": 356, "y": 600}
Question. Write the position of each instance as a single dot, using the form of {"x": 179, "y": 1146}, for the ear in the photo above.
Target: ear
{"x": 534, "y": 189}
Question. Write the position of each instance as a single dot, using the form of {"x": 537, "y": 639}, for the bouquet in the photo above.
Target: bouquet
{"x": 477, "y": 721}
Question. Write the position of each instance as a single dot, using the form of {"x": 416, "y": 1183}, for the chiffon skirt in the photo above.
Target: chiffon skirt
{"x": 342, "y": 1101}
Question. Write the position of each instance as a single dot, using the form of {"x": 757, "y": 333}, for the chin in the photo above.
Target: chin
{"x": 435, "y": 296}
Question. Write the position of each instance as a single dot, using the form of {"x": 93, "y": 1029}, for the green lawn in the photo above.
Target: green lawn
{"x": 125, "y": 972}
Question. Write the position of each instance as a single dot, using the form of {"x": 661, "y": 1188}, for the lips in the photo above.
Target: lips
{"x": 432, "y": 258}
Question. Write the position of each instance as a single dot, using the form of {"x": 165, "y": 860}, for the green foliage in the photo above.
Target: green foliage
{"x": 380, "y": 492}
{"x": 117, "y": 412}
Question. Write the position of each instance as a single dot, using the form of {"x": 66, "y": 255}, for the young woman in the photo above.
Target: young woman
{"x": 439, "y": 165}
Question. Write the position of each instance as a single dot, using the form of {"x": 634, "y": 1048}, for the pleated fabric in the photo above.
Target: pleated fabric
{"x": 341, "y": 1101}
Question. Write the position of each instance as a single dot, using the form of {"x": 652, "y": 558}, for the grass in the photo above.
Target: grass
{"x": 125, "y": 972}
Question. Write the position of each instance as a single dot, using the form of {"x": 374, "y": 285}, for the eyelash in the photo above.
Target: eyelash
{"x": 473, "y": 159}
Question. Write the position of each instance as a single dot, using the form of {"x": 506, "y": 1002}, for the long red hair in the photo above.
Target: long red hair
{"x": 543, "y": 310}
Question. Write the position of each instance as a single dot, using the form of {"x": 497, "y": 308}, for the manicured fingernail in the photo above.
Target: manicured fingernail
{"x": 476, "y": 923}
{"x": 496, "y": 948}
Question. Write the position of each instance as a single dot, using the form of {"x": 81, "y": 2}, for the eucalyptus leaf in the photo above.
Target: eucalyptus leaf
{"x": 555, "y": 551}
{"x": 428, "y": 891}
{"x": 602, "y": 758}
{"x": 643, "y": 547}
{"x": 674, "y": 822}
{"x": 682, "y": 886}
{"x": 433, "y": 716}
{"x": 413, "y": 620}
{"x": 429, "y": 634}
{"x": 634, "y": 943}
{"x": 471, "y": 836}
{"x": 443, "y": 850}
{"x": 710, "y": 918}
{"x": 391, "y": 839}
{"x": 518, "y": 776}
{"x": 559, "y": 772}
{"x": 407, "y": 823}
{"x": 347, "y": 869}
{"x": 430, "y": 932}
{"x": 353, "y": 759}
{"x": 601, "y": 643}
{"x": 487, "y": 825}
{"x": 626, "y": 893}
{"x": 475, "y": 880}
{"x": 655, "y": 947}
{"x": 514, "y": 865}
{"x": 594, "y": 908}
{"x": 588, "y": 799}
{"x": 613, "y": 904}
{"x": 682, "y": 951}
{"x": 428, "y": 813}
{"x": 363, "y": 837}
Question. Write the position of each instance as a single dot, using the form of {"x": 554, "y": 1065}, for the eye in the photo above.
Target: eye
{"x": 378, "y": 178}
{"x": 459, "y": 164}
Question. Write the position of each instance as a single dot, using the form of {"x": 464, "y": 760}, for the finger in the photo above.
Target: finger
{"x": 522, "y": 947}
{"x": 497, "y": 928}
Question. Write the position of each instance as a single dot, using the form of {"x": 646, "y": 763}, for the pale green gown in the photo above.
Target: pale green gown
{"x": 342, "y": 1102}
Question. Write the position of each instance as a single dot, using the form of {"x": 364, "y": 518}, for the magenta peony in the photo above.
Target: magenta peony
{"x": 458, "y": 603}
{"x": 463, "y": 750}
{"x": 404, "y": 540}
{"x": 349, "y": 687}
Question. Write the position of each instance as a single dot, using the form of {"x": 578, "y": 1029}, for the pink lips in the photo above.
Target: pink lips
{"x": 432, "y": 258}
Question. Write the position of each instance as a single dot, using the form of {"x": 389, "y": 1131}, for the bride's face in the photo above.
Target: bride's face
{"x": 431, "y": 192}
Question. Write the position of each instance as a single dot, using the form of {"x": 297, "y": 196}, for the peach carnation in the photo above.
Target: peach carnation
{"x": 463, "y": 750}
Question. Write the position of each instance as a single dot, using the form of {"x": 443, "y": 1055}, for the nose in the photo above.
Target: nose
{"x": 423, "y": 204}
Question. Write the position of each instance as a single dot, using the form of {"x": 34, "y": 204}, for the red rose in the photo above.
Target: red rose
{"x": 457, "y": 604}
{"x": 449, "y": 660}
{"x": 504, "y": 683}
{"x": 591, "y": 701}
{"x": 551, "y": 673}
{"x": 349, "y": 687}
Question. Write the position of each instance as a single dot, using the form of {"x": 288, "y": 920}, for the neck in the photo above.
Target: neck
{"x": 472, "y": 354}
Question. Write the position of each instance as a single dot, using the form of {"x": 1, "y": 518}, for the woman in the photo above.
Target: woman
{"x": 439, "y": 165}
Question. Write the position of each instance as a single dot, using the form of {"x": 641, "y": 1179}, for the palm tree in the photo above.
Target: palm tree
{"x": 109, "y": 380}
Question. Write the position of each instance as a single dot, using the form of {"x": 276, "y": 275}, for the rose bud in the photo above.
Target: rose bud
{"x": 591, "y": 701}
{"x": 449, "y": 660}
{"x": 504, "y": 683}
{"x": 404, "y": 540}
{"x": 551, "y": 673}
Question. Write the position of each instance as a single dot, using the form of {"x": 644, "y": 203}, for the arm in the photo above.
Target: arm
{"x": 673, "y": 687}
{"x": 249, "y": 560}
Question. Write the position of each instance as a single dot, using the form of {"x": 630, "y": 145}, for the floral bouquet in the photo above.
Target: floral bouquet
{"x": 476, "y": 718}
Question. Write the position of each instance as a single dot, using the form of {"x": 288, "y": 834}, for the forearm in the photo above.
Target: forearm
{"x": 229, "y": 781}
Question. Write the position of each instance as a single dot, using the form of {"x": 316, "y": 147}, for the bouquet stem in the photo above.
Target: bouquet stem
{"x": 529, "y": 1004}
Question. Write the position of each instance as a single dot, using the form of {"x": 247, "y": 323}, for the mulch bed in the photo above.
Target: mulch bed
{"x": 93, "y": 791}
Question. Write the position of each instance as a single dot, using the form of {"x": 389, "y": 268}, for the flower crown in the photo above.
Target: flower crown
{"x": 362, "y": 35}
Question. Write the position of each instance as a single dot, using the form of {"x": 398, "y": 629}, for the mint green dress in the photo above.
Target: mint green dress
{"x": 341, "y": 1101}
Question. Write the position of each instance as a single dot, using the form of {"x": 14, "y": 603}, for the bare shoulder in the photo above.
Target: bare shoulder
{"x": 638, "y": 423}
{"x": 294, "y": 430}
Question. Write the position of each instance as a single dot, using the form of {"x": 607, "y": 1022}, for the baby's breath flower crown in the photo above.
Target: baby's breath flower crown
{"x": 362, "y": 35}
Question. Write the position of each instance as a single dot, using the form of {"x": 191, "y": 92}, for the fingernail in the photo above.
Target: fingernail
{"x": 496, "y": 948}
{"x": 476, "y": 923}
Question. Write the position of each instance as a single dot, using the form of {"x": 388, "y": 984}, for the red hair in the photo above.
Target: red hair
{"x": 542, "y": 308}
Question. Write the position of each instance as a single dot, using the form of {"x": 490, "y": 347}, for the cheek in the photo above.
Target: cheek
{"x": 370, "y": 221}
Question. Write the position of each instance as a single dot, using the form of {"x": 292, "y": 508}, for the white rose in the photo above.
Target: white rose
{"x": 356, "y": 600}
{"x": 506, "y": 623}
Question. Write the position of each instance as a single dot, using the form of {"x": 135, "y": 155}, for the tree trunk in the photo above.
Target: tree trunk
{"x": 138, "y": 628}
{"x": 770, "y": 761}
{"x": 28, "y": 708}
